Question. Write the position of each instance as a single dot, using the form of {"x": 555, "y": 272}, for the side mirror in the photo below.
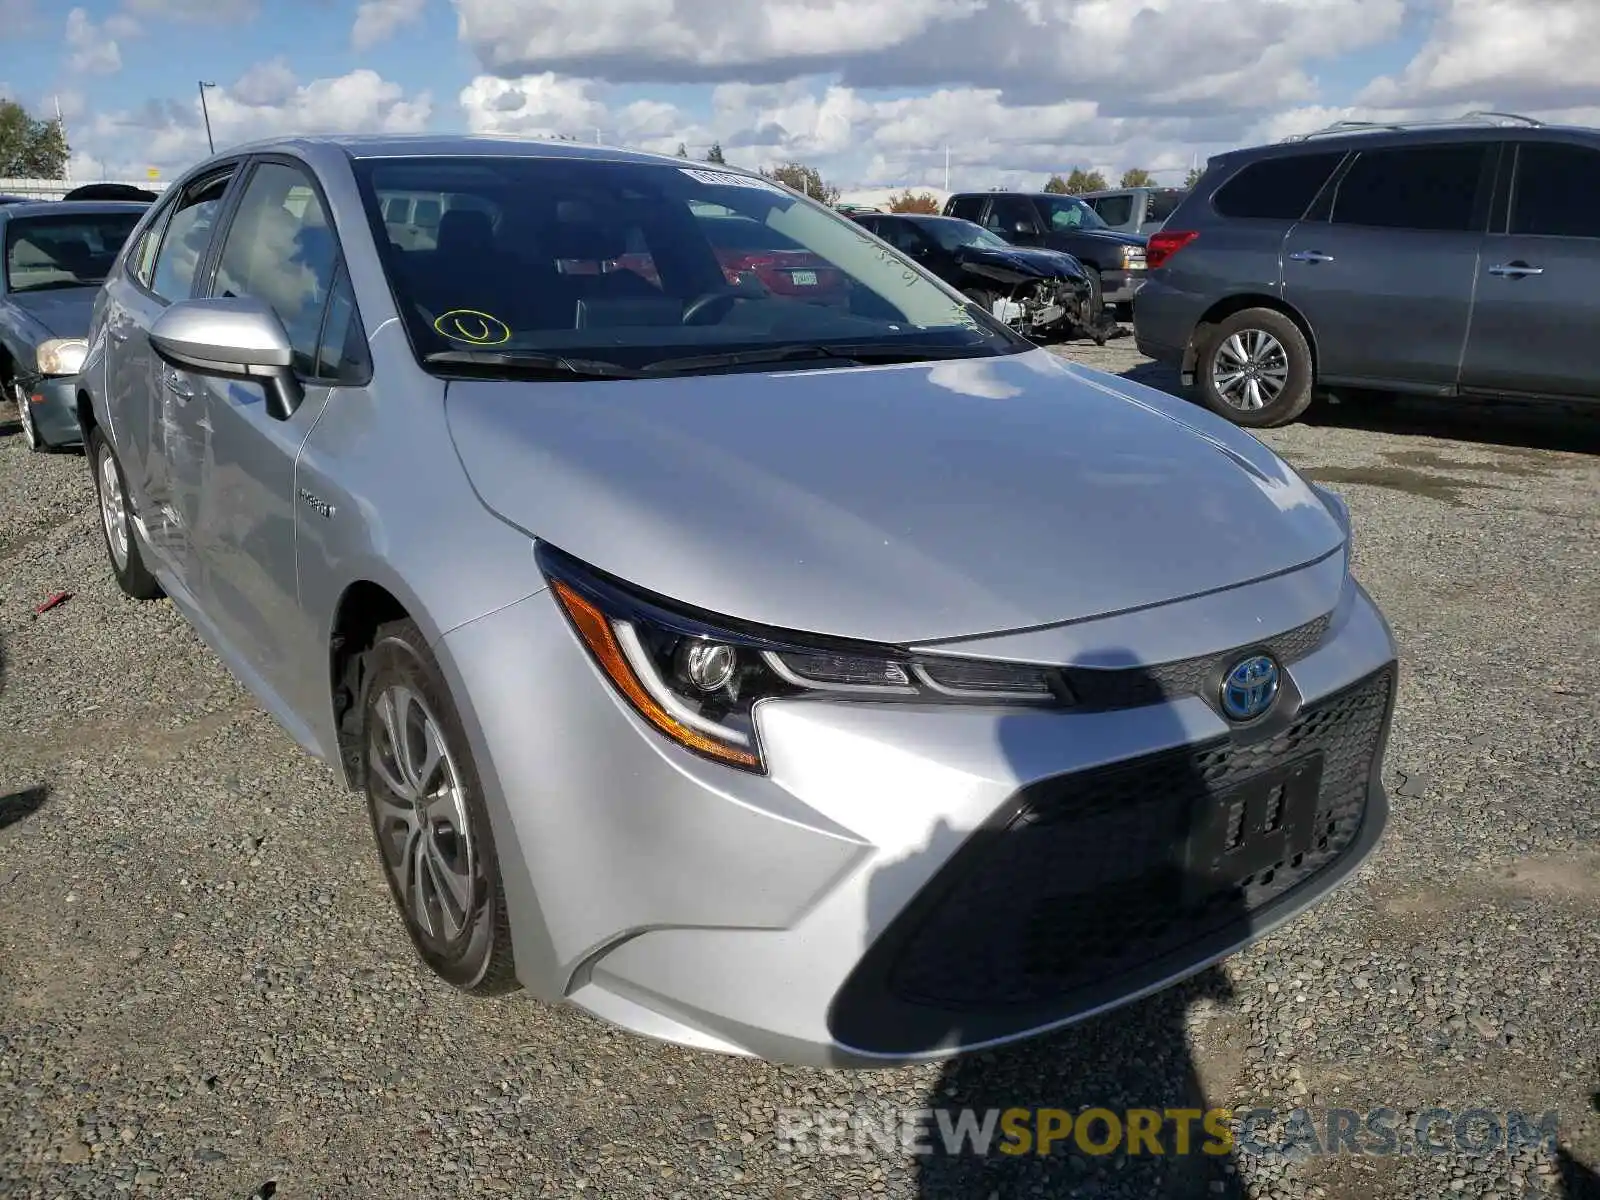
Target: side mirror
{"x": 234, "y": 337}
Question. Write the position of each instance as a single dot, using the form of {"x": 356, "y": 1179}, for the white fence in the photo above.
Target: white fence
{"x": 54, "y": 189}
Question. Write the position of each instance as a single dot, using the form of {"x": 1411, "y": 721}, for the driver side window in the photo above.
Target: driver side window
{"x": 280, "y": 249}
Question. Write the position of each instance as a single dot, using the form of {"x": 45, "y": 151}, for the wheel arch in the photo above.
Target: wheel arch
{"x": 1223, "y": 309}
{"x": 363, "y": 608}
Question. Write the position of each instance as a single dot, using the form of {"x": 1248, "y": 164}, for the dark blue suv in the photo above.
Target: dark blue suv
{"x": 1453, "y": 259}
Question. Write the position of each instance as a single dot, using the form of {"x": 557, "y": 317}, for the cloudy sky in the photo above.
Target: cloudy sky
{"x": 869, "y": 91}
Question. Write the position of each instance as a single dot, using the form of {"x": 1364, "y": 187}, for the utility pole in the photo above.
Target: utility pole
{"x": 947, "y": 167}
{"x": 205, "y": 113}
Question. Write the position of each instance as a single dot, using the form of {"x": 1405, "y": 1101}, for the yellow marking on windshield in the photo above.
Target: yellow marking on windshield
{"x": 473, "y": 327}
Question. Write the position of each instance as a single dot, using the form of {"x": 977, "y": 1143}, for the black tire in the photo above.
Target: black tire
{"x": 983, "y": 299}
{"x": 31, "y": 437}
{"x": 1097, "y": 291}
{"x": 1292, "y": 355}
{"x": 477, "y": 957}
{"x": 133, "y": 577}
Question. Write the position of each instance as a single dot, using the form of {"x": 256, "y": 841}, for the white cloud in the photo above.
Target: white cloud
{"x": 93, "y": 49}
{"x": 854, "y": 137}
{"x": 266, "y": 101}
{"x": 1154, "y": 56}
{"x": 1535, "y": 53}
{"x": 379, "y": 20}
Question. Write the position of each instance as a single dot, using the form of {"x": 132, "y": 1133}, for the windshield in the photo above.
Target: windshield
{"x": 952, "y": 234}
{"x": 636, "y": 263}
{"x": 61, "y": 252}
{"x": 1068, "y": 212}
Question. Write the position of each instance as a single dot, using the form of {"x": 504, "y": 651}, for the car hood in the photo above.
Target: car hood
{"x": 1108, "y": 236}
{"x": 1044, "y": 264}
{"x": 63, "y": 313}
{"x": 895, "y": 504}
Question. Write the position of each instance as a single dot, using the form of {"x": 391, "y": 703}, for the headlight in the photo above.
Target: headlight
{"x": 1133, "y": 258}
{"x": 62, "y": 356}
{"x": 697, "y": 678}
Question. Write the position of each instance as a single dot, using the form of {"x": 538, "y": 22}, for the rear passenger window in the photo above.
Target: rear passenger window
{"x": 187, "y": 236}
{"x": 1279, "y": 188}
{"x": 968, "y": 208}
{"x": 1114, "y": 210}
{"x": 1558, "y": 192}
{"x": 1413, "y": 187}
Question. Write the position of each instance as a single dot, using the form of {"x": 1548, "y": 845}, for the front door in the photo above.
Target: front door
{"x": 1533, "y": 327}
{"x": 1386, "y": 279}
{"x": 279, "y": 249}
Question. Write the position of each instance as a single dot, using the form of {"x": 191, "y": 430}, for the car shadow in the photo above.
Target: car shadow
{"x": 1079, "y": 892}
{"x": 1517, "y": 424}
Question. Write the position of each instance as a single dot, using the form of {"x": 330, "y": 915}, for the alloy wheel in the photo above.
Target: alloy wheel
{"x": 420, "y": 811}
{"x": 30, "y": 431}
{"x": 113, "y": 508}
{"x": 1250, "y": 369}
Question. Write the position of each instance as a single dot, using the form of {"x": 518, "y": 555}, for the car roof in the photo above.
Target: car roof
{"x": 1342, "y": 142}
{"x": 392, "y": 145}
{"x": 1138, "y": 187}
{"x": 1025, "y": 195}
{"x": 56, "y": 208}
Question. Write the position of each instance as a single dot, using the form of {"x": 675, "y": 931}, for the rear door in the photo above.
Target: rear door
{"x": 1386, "y": 278}
{"x": 151, "y": 399}
{"x": 1538, "y": 307}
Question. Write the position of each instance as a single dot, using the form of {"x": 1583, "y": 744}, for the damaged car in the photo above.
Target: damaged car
{"x": 54, "y": 255}
{"x": 1039, "y": 293}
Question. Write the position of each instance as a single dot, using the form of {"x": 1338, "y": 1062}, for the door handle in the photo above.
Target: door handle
{"x": 1310, "y": 256}
{"x": 180, "y": 390}
{"x": 1515, "y": 270}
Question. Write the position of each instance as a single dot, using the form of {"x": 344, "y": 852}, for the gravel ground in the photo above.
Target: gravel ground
{"x": 203, "y": 992}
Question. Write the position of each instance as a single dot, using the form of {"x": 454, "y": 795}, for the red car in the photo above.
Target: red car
{"x": 742, "y": 247}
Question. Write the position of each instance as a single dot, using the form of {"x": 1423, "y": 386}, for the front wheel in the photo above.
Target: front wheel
{"x": 30, "y": 428}
{"x": 428, "y": 816}
{"x": 1255, "y": 369}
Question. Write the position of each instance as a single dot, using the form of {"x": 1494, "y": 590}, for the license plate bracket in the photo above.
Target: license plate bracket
{"x": 1253, "y": 826}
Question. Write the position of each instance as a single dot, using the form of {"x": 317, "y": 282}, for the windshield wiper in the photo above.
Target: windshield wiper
{"x": 877, "y": 352}
{"x": 530, "y": 363}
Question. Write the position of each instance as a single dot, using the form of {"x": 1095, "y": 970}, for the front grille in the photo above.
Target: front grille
{"x": 1091, "y": 879}
{"x": 1098, "y": 688}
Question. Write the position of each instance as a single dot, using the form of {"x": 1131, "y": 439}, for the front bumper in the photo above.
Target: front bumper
{"x": 907, "y": 883}
{"x": 1119, "y": 287}
{"x": 53, "y": 403}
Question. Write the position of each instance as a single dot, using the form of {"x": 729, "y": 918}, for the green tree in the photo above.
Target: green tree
{"x": 806, "y": 180}
{"x": 1056, "y": 184}
{"x": 1080, "y": 181}
{"x": 1193, "y": 177}
{"x": 914, "y": 202}
{"x": 714, "y": 155}
{"x": 31, "y": 148}
{"x": 1137, "y": 177}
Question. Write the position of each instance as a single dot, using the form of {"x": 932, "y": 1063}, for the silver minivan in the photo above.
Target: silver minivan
{"x": 1135, "y": 209}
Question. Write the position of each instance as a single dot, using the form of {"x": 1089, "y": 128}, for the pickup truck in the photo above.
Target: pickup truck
{"x": 1053, "y": 221}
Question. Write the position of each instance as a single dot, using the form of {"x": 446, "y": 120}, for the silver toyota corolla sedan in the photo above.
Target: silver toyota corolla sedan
{"x": 764, "y": 649}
